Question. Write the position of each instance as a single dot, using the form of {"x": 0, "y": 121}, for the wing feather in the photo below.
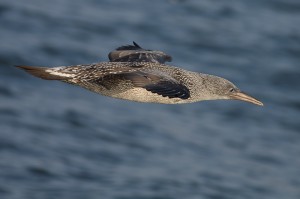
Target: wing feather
{"x": 155, "y": 82}
{"x": 134, "y": 53}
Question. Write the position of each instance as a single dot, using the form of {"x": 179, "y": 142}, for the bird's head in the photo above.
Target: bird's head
{"x": 221, "y": 88}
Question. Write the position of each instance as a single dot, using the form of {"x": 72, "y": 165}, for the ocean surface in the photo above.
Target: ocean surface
{"x": 61, "y": 141}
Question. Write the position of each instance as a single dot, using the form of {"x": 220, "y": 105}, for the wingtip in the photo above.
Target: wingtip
{"x": 18, "y": 66}
{"x": 135, "y": 44}
{"x": 40, "y": 72}
{"x": 24, "y": 67}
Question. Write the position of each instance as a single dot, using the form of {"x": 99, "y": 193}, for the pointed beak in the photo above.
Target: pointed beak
{"x": 244, "y": 97}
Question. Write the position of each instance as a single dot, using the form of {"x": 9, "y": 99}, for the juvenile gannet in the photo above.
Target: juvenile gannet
{"x": 136, "y": 74}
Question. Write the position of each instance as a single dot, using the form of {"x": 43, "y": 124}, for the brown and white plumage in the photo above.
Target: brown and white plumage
{"x": 141, "y": 75}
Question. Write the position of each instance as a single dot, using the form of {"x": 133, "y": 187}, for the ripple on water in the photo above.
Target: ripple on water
{"x": 6, "y": 92}
{"x": 286, "y": 80}
{"x": 40, "y": 171}
{"x": 9, "y": 112}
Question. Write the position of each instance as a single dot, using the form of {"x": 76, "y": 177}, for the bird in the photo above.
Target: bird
{"x": 136, "y": 74}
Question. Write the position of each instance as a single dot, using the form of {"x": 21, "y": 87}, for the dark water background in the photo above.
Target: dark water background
{"x": 61, "y": 141}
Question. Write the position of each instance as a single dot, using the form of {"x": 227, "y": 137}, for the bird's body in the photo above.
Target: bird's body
{"x": 140, "y": 75}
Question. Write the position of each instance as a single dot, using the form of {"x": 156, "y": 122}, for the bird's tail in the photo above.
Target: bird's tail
{"x": 44, "y": 73}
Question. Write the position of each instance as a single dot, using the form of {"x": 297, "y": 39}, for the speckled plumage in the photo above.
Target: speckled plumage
{"x": 141, "y": 75}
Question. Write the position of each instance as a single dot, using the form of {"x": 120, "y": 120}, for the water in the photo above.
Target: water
{"x": 60, "y": 141}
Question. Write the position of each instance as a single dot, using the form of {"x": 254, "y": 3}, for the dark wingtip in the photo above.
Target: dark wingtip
{"x": 39, "y": 72}
{"x": 28, "y": 68}
{"x": 35, "y": 71}
{"x": 135, "y": 44}
{"x": 25, "y": 67}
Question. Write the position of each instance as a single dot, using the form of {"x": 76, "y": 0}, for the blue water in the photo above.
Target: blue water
{"x": 61, "y": 141}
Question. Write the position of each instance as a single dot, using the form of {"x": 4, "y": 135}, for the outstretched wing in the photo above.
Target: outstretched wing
{"x": 108, "y": 73}
{"x": 154, "y": 81}
{"x": 135, "y": 53}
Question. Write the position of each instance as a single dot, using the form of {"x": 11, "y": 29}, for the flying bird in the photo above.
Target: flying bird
{"x": 136, "y": 74}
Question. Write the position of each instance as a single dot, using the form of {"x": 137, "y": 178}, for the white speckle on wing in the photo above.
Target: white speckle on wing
{"x": 58, "y": 73}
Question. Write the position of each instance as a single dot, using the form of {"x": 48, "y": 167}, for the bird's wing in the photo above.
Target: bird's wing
{"x": 109, "y": 74}
{"x": 135, "y": 53}
{"x": 153, "y": 81}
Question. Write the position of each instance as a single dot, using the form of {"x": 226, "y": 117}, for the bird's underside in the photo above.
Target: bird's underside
{"x": 136, "y": 74}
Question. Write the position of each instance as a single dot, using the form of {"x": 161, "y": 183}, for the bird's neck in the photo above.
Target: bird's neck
{"x": 201, "y": 87}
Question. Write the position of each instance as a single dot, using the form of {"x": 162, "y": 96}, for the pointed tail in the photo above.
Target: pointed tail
{"x": 44, "y": 73}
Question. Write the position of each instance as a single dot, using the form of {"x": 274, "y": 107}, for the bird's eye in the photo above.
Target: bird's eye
{"x": 231, "y": 90}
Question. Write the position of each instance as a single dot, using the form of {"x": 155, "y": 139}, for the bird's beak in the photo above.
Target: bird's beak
{"x": 244, "y": 97}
